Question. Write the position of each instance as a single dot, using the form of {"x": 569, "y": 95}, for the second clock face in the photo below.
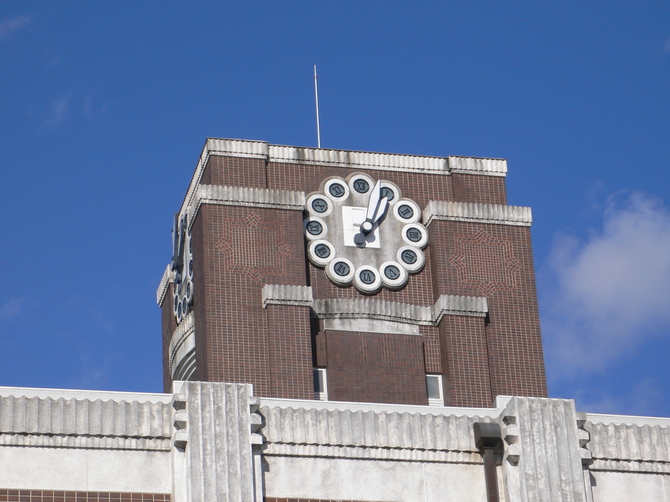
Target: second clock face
{"x": 362, "y": 231}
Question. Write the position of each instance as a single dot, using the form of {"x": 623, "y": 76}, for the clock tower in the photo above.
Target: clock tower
{"x": 352, "y": 276}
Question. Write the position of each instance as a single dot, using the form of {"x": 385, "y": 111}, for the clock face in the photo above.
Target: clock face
{"x": 182, "y": 268}
{"x": 362, "y": 231}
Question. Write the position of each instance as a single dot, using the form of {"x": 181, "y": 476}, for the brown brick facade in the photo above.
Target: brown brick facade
{"x": 238, "y": 250}
{"x": 63, "y": 496}
{"x": 376, "y": 368}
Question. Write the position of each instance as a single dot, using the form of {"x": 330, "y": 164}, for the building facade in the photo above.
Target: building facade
{"x": 440, "y": 293}
{"x": 337, "y": 327}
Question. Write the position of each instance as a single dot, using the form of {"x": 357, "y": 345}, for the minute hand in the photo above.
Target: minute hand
{"x": 376, "y": 209}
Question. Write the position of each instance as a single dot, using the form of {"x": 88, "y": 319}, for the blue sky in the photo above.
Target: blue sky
{"x": 105, "y": 107}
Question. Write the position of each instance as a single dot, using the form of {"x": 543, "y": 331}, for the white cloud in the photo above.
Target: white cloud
{"x": 59, "y": 111}
{"x": 12, "y": 308}
{"x": 612, "y": 289}
{"x": 10, "y": 26}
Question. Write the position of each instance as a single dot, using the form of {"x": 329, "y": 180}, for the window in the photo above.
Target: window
{"x": 434, "y": 386}
{"x": 320, "y": 384}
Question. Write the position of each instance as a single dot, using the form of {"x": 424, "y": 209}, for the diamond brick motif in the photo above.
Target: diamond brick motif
{"x": 254, "y": 247}
{"x": 486, "y": 263}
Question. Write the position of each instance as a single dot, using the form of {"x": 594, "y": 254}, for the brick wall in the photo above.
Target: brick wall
{"x": 495, "y": 261}
{"x": 376, "y": 368}
{"x": 477, "y": 188}
{"x": 239, "y": 249}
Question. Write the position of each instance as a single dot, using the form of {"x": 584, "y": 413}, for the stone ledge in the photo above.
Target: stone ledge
{"x": 401, "y": 312}
{"x": 252, "y": 197}
{"x": 163, "y": 285}
{"x": 373, "y": 453}
{"x": 358, "y": 160}
{"x": 85, "y": 442}
{"x": 477, "y": 213}
{"x": 476, "y": 165}
{"x": 342, "y": 158}
{"x": 279, "y": 294}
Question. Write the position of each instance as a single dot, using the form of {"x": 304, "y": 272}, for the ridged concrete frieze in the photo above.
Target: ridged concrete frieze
{"x": 250, "y": 197}
{"x": 83, "y": 423}
{"x": 339, "y": 158}
{"x": 400, "y": 312}
{"x": 359, "y": 160}
{"x": 625, "y": 447}
{"x": 477, "y": 213}
{"x": 279, "y": 294}
{"x": 476, "y": 165}
{"x": 370, "y": 434}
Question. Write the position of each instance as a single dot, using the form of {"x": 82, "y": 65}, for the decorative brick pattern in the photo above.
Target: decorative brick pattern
{"x": 232, "y": 328}
{"x": 254, "y": 247}
{"x": 62, "y": 496}
{"x": 513, "y": 330}
{"x": 238, "y": 250}
{"x": 485, "y": 263}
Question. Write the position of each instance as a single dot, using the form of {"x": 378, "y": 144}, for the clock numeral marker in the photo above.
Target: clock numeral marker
{"x": 409, "y": 257}
{"x": 314, "y": 227}
{"x": 322, "y": 251}
{"x": 405, "y": 211}
{"x": 414, "y": 234}
{"x": 319, "y": 205}
{"x": 341, "y": 269}
{"x": 361, "y": 186}
{"x": 367, "y": 277}
{"x": 388, "y": 193}
{"x": 336, "y": 190}
{"x": 392, "y": 272}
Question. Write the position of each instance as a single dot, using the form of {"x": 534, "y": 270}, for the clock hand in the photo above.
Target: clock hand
{"x": 373, "y": 201}
{"x": 376, "y": 208}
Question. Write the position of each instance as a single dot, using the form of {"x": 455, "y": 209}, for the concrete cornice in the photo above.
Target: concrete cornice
{"x": 640, "y": 447}
{"x": 477, "y": 213}
{"x": 251, "y": 197}
{"x": 361, "y": 434}
{"x": 279, "y": 294}
{"x": 401, "y": 312}
{"x": 163, "y": 285}
{"x": 115, "y": 423}
{"x": 341, "y": 158}
{"x": 476, "y": 165}
{"x": 358, "y": 160}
